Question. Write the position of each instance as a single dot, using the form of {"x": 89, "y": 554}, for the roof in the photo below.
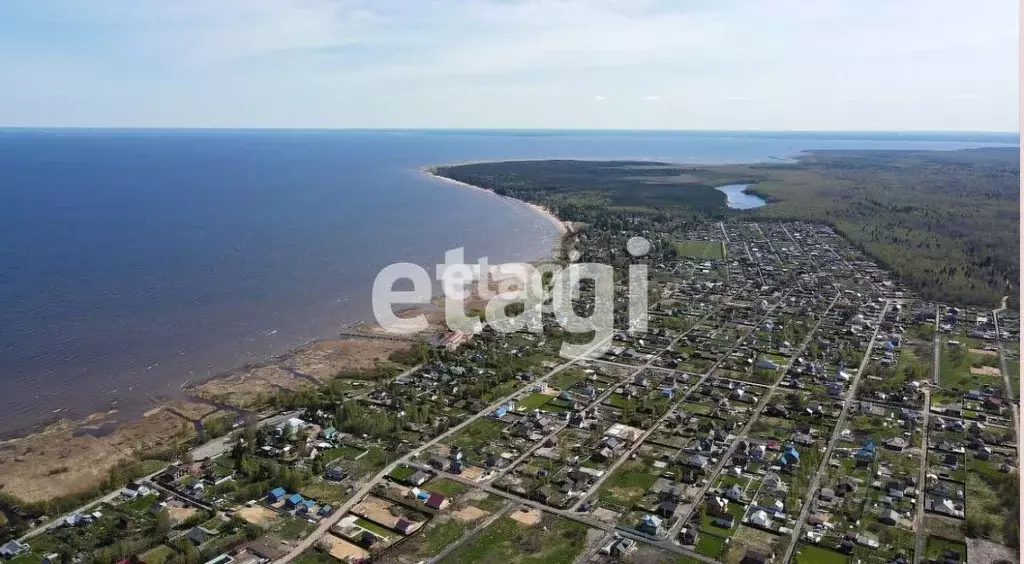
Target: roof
{"x": 277, "y": 492}
{"x": 295, "y": 499}
{"x": 435, "y": 499}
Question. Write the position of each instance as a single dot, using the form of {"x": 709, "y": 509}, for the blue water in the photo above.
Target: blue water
{"x": 132, "y": 261}
{"x": 736, "y": 199}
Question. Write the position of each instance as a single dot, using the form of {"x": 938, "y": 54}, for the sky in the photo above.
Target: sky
{"x": 605, "y": 64}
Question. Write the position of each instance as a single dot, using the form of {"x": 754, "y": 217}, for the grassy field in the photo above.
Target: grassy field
{"x": 323, "y": 491}
{"x": 711, "y": 250}
{"x": 565, "y": 379}
{"x": 401, "y": 473}
{"x": 627, "y": 484}
{"x": 937, "y": 546}
{"x": 710, "y": 545}
{"x": 533, "y": 401}
{"x": 445, "y": 487}
{"x": 553, "y": 541}
{"x": 477, "y": 434}
{"x": 157, "y": 555}
{"x": 437, "y": 537}
{"x": 807, "y": 554}
{"x": 374, "y": 528}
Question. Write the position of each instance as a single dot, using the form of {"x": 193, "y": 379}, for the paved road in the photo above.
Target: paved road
{"x": 919, "y": 542}
{"x": 328, "y": 522}
{"x": 816, "y": 480}
{"x": 1010, "y": 392}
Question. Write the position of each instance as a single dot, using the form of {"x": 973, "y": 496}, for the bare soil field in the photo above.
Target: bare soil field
{"x": 342, "y": 549}
{"x": 377, "y": 510}
{"x": 986, "y": 370}
{"x": 258, "y": 515}
{"x": 470, "y": 513}
{"x": 526, "y": 516}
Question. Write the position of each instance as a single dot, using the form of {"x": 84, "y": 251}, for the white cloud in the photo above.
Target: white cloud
{"x": 396, "y": 62}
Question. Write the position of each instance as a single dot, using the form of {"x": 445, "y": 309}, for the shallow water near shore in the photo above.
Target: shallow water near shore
{"x": 133, "y": 261}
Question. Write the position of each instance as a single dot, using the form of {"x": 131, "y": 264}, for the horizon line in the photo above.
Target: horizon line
{"x": 498, "y": 129}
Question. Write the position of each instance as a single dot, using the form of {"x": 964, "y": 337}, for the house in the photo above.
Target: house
{"x": 888, "y": 517}
{"x": 866, "y": 451}
{"x": 725, "y": 521}
{"x": 689, "y": 536}
{"x": 199, "y": 535}
{"x": 790, "y": 457}
{"x": 404, "y": 526}
{"x": 734, "y": 493}
{"x": 760, "y": 519}
{"x": 275, "y": 495}
{"x": 335, "y": 473}
{"x": 667, "y": 509}
{"x": 623, "y": 547}
{"x": 867, "y": 540}
{"x": 437, "y": 501}
{"x": 846, "y": 485}
{"x": 773, "y": 483}
{"x": 418, "y": 478}
{"x": 134, "y": 489}
{"x": 293, "y": 501}
{"x": 698, "y": 461}
{"x": 895, "y": 443}
{"x": 827, "y": 494}
{"x": 717, "y": 505}
{"x": 14, "y": 549}
{"x": 329, "y": 433}
{"x": 437, "y": 462}
{"x": 51, "y": 558}
{"x": 650, "y": 524}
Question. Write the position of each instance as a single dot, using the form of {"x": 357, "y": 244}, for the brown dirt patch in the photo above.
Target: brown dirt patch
{"x": 180, "y": 514}
{"x": 376, "y": 510}
{"x": 323, "y": 359}
{"x": 470, "y": 513}
{"x": 54, "y": 462}
{"x": 342, "y": 549}
{"x": 258, "y": 515}
{"x": 472, "y": 472}
{"x": 984, "y": 352}
{"x": 526, "y": 516}
{"x": 986, "y": 370}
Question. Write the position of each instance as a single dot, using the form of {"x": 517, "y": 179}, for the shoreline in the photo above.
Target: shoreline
{"x": 125, "y": 434}
{"x": 563, "y": 229}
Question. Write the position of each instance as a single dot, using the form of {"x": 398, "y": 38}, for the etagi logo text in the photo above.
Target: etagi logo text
{"x": 517, "y": 283}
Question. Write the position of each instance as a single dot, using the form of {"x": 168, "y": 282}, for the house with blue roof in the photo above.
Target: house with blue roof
{"x": 294, "y": 500}
{"x": 866, "y": 451}
{"x": 790, "y": 457}
{"x": 275, "y": 495}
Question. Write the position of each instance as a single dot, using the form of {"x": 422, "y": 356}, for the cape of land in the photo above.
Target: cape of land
{"x": 945, "y": 222}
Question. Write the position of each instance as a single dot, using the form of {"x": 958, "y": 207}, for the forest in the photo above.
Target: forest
{"x": 946, "y": 223}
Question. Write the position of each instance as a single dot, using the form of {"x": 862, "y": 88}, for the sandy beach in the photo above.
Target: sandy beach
{"x": 561, "y": 225}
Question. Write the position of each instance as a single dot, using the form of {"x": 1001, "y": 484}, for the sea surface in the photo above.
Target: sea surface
{"x": 132, "y": 261}
{"x": 737, "y": 199}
